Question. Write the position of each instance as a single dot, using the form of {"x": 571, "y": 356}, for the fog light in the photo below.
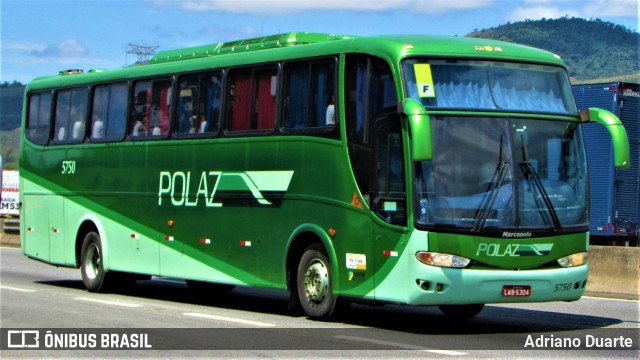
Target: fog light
{"x": 573, "y": 260}
{"x": 442, "y": 260}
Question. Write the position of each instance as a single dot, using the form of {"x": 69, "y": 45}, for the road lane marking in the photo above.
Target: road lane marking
{"x": 16, "y": 289}
{"x": 106, "y": 302}
{"x": 400, "y": 345}
{"x": 229, "y": 319}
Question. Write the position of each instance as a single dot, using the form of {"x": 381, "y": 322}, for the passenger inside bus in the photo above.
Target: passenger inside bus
{"x": 78, "y": 130}
{"x": 97, "y": 128}
{"x": 61, "y": 134}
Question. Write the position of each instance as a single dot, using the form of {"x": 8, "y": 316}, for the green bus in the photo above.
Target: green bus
{"x": 414, "y": 170}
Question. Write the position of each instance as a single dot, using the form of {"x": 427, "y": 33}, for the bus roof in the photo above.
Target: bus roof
{"x": 295, "y": 45}
{"x": 260, "y": 43}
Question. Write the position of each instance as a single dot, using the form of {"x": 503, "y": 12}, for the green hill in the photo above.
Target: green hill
{"x": 592, "y": 49}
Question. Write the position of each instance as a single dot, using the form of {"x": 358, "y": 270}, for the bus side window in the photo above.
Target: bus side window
{"x": 151, "y": 108}
{"x": 252, "y": 100}
{"x": 109, "y": 110}
{"x": 309, "y": 95}
{"x": 369, "y": 90}
{"x": 70, "y": 115}
{"x": 199, "y": 103}
{"x": 38, "y": 119}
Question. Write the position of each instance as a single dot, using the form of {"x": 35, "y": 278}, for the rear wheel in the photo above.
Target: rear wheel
{"x": 92, "y": 263}
{"x": 314, "y": 283}
{"x": 461, "y": 311}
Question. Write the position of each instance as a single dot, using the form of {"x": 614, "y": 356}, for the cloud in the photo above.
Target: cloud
{"x": 550, "y": 9}
{"x": 599, "y": 8}
{"x": 25, "y": 46}
{"x": 281, "y": 6}
{"x": 229, "y": 33}
{"x": 538, "y": 12}
{"x": 263, "y": 7}
{"x": 68, "y": 49}
{"x": 441, "y": 6}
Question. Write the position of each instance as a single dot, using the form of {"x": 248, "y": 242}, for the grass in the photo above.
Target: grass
{"x": 10, "y": 149}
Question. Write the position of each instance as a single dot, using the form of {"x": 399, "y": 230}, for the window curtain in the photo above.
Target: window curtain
{"x": 361, "y": 99}
{"x": 241, "y": 113}
{"x": 165, "y": 107}
{"x": 117, "y": 109}
{"x": 183, "y": 114}
{"x": 527, "y": 90}
{"x": 296, "y": 112}
{"x": 266, "y": 103}
{"x": 462, "y": 87}
{"x": 322, "y": 97}
{"x": 494, "y": 88}
{"x": 214, "y": 93}
{"x": 147, "y": 109}
{"x": 101, "y": 106}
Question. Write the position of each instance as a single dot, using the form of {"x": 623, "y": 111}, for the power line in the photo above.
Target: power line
{"x": 143, "y": 53}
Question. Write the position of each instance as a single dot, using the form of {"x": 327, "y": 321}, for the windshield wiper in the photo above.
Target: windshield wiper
{"x": 531, "y": 174}
{"x": 496, "y": 182}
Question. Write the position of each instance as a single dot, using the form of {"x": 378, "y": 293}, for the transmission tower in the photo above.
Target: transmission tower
{"x": 142, "y": 52}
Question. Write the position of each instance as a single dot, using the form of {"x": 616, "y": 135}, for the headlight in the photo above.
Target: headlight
{"x": 442, "y": 260}
{"x": 573, "y": 260}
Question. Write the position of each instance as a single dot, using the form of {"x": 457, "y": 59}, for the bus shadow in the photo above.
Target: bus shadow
{"x": 494, "y": 319}
{"x": 241, "y": 298}
{"x": 69, "y": 284}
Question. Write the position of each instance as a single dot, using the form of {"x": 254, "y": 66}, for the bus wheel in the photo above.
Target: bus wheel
{"x": 461, "y": 311}
{"x": 91, "y": 263}
{"x": 314, "y": 283}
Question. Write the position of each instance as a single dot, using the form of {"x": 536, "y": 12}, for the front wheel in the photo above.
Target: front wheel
{"x": 92, "y": 263}
{"x": 314, "y": 283}
{"x": 461, "y": 311}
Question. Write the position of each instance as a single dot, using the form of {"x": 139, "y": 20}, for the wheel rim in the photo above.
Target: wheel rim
{"x": 92, "y": 261}
{"x": 316, "y": 281}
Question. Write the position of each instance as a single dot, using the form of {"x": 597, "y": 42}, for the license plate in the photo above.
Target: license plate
{"x": 516, "y": 291}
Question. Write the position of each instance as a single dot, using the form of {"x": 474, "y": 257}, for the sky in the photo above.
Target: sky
{"x": 42, "y": 37}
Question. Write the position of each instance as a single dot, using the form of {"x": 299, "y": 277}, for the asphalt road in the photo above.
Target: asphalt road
{"x": 253, "y": 323}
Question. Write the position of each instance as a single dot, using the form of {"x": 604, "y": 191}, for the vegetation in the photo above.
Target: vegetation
{"x": 9, "y": 148}
{"x": 592, "y": 49}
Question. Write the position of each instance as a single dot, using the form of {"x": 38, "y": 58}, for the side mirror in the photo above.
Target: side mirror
{"x": 621, "y": 158}
{"x": 420, "y": 125}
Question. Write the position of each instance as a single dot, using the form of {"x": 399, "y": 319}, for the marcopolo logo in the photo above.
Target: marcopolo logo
{"x": 502, "y": 250}
{"x": 204, "y": 188}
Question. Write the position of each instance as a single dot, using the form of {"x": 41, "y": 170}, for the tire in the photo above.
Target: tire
{"x": 314, "y": 283}
{"x": 461, "y": 311}
{"x": 92, "y": 263}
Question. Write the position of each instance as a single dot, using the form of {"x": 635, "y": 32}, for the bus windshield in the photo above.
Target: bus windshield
{"x": 489, "y": 85}
{"x": 527, "y": 175}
